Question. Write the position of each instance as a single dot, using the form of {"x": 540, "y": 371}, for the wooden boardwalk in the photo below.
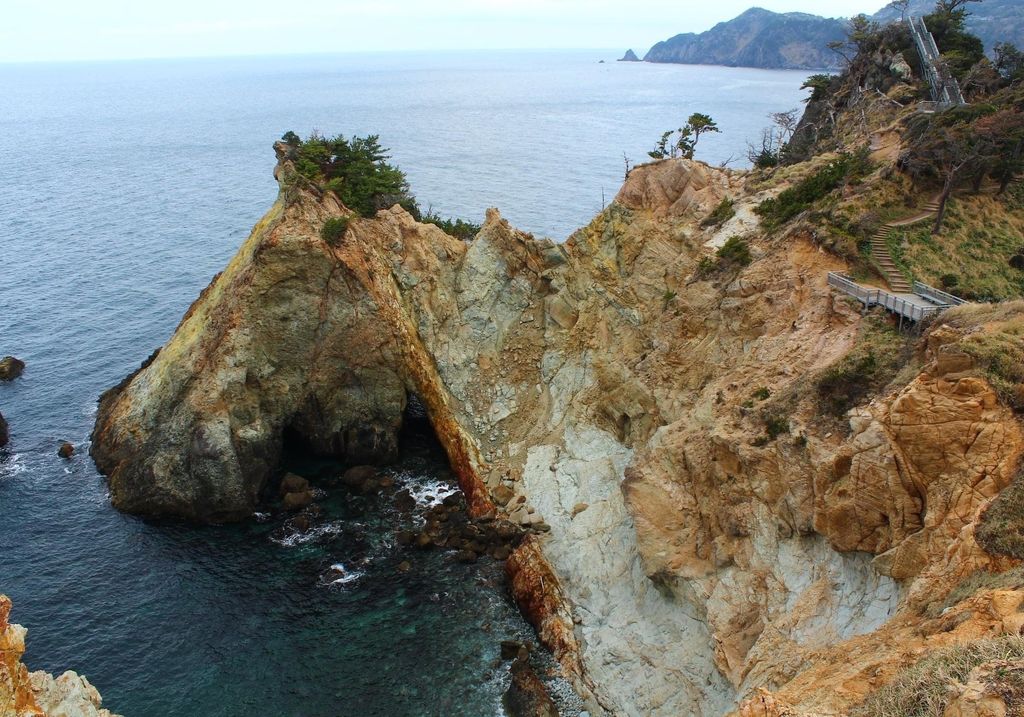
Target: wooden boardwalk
{"x": 922, "y": 302}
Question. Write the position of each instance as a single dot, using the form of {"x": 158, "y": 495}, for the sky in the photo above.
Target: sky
{"x": 59, "y": 30}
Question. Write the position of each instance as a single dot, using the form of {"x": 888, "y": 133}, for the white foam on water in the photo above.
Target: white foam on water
{"x": 427, "y": 492}
{"x": 315, "y": 533}
{"x": 340, "y": 575}
{"x": 12, "y": 465}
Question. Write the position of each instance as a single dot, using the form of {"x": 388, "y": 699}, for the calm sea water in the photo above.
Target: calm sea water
{"x": 125, "y": 187}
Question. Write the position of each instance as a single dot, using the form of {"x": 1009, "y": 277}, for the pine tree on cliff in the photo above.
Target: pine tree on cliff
{"x": 685, "y": 145}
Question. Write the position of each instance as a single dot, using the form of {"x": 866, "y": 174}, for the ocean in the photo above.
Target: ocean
{"x": 126, "y": 187}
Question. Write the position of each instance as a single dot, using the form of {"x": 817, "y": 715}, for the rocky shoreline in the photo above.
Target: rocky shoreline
{"x": 39, "y": 694}
{"x": 446, "y": 525}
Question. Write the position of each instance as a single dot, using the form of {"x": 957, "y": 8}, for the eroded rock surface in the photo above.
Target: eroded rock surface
{"x": 597, "y": 392}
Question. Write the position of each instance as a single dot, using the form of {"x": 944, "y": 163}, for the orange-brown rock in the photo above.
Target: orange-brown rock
{"x": 38, "y": 694}
{"x": 994, "y": 689}
{"x": 673, "y": 188}
{"x": 610, "y": 395}
{"x": 16, "y": 697}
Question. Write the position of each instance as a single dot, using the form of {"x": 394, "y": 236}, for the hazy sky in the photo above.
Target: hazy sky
{"x": 114, "y": 29}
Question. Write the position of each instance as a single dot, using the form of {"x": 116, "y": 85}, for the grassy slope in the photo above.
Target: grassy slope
{"x": 980, "y": 236}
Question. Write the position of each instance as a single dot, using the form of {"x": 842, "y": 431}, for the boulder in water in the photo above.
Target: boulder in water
{"x": 297, "y": 500}
{"x": 4, "y": 431}
{"x": 66, "y": 450}
{"x": 510, "y": 649}
{"x": 10, "y": 368}
{"x": 527, "y": 696}
{"x": 404, "y": 501}
{"x": 361, "y": 478}
{"x": 293, "y": 483}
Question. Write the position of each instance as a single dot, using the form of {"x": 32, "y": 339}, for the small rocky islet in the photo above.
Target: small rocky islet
{"x": 11, "y": 368}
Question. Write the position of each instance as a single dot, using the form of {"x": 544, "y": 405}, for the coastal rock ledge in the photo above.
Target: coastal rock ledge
{"x": 39, "y": 694}
{"x": 606, "y": 386}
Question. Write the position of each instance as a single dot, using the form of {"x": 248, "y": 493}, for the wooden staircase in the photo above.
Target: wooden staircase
{"x": 880, "y": 251}
{"x": 898, "y": 283}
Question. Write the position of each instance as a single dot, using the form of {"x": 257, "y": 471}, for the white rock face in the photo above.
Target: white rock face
{"x": 620, "y": 612}
{"x": 70, "y": 695}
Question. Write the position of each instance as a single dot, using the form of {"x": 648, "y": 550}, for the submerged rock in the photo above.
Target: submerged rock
{"x": 5, "y": 433}
{"x": 11, "y": 368}
{"x": 362, "y": 479}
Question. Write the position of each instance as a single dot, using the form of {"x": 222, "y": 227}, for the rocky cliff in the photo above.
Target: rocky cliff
{"x": 799, "y": 41}
{"x": 757, "y": 38}
{"x": 38, "y": 694}
{"x": 713, "y": 531}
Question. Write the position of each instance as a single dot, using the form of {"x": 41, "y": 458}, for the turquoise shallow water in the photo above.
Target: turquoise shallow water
{"x": 126, "y": 187}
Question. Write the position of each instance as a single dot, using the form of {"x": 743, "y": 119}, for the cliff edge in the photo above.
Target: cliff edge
{"x": 38, "y": 694}
{"x": 713, "y": 531}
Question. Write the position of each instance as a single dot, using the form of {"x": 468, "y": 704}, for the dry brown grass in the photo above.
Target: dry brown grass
{"x": 923, "y": 690}
{"x": 980, "y": 236}
{"x": 995, "y": 339}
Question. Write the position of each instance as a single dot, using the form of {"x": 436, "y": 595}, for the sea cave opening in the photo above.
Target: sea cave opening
{"x": 399, "y": 531}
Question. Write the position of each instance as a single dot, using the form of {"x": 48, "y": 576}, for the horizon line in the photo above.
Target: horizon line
{"x": 323, "y": 53}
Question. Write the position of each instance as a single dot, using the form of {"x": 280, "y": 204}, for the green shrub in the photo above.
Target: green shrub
{"x": 762, "y": 394}
{"x": 458, "y": 228}
{"x": 960, "y": 49}
{"x": 720, "y": 215}
{"x": 355, "y": 169}
{"x": 819, "y": 86}
{"x": 706, "y": 267}
{"x": 948, "y": 282}
{"x": 776, "y": 426}
{"x": 798, "y": 199}
{"x": 923, "y": 690}
{"x": 334, "y": 229}
{"x": 735, "y": 251}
